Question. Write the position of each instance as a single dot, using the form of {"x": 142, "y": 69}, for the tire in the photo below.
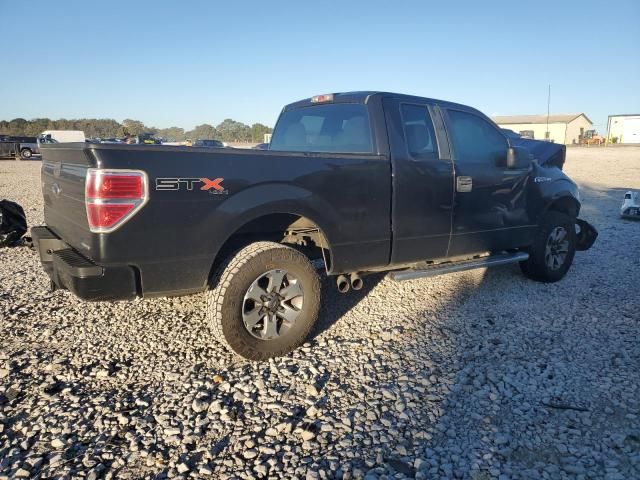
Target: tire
{"x": 553, "y": 249}
{"x": 26, "y": 154}
{"x": 241, "y": 278}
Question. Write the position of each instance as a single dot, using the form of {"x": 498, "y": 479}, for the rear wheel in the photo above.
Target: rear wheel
{"x": 264, "y": 300}
{"x": 26, "y": 153}
{"x": 553, "y": 249}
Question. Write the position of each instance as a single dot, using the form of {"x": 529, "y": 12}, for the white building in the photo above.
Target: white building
{"x": 562, "y": 128}
{"x": 624, "y": 128}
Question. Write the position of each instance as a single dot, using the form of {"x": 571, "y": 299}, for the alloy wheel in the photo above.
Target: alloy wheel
{"x": 556, "y": 248}
{"x": 272, "y": 304}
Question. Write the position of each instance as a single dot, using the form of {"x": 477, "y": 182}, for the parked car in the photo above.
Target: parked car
{"x": 147, "y": 138}
{"x": 261, "y": 146}
{"x": 207, "y": 143}
{"x": 357, "y": 182}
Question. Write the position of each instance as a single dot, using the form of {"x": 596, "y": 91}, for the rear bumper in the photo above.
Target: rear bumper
{"x": 70, "y": 270}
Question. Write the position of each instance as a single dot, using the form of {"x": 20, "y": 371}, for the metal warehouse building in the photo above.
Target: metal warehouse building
{"x": 624, "y": 128}
{"x": 563, "y": 128}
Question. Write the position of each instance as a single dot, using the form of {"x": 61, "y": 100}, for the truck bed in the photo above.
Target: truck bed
{"x": 172, "y": 241}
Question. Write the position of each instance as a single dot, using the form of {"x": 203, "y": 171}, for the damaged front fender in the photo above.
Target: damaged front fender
{"x": 586, "y": 235}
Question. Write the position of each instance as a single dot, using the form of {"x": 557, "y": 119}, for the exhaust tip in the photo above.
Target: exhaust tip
{"x": 356, "y": 282}
{"x": 342, "y": 283}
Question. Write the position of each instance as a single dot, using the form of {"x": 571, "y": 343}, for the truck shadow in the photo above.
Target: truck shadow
{"x": 487, "y": 364}
{"x": 335, "y": 304}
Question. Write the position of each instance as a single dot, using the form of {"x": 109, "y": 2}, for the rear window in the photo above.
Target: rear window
{"x": 337, "y": 127}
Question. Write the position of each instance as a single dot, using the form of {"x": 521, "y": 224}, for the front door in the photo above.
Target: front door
{"x": 490, "y": 211}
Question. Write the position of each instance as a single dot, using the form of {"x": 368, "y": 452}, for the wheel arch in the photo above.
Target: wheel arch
{"x": 567, "y": 204}
{"x": 293, "y": 228}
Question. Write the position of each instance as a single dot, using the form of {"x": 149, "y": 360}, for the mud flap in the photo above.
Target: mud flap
{"x": 586, "y": 235}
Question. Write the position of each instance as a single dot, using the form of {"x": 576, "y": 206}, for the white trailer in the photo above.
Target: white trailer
{"x": 61, "y": 136}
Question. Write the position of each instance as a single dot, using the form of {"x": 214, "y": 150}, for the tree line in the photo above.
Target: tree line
{"x": 227, "y": 131}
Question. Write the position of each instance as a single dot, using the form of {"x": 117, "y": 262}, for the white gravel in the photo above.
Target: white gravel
{"x": 480, "y": 375}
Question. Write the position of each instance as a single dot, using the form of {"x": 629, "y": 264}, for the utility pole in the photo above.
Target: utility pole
{"x": 548, "y": 134}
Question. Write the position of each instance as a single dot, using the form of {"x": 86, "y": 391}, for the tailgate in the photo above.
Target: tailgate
{"x": 64, "y": 169}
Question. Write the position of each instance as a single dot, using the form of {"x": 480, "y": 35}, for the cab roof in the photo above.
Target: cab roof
{"x": 365, "y": 96}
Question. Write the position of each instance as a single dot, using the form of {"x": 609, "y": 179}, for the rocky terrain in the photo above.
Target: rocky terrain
{"x": 480, "y": 375}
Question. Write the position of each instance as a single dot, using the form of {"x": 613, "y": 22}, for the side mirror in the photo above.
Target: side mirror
{"x": 518, "y": 157}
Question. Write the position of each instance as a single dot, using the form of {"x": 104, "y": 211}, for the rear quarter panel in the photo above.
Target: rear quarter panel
{"x": 174, "y": 239}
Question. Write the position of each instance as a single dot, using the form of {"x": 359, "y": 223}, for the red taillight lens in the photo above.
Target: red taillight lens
{"x": 113, "y": 185}
{"x": 112, "y": 197}
{"x": 107, "y": 215}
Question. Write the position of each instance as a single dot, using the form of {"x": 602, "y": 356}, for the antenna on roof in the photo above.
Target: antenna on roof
{"x": 548, "y": 135}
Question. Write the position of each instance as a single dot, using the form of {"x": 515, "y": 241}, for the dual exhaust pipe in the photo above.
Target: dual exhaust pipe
{"x": 344, "y": 283}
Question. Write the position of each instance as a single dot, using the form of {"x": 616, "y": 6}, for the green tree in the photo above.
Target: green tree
{"x": 172, "y": 134}
{"x": 133, "y": 127}
{"x": 204, "y": 131}
{"x": 232, "y": 131}
{"x": 258, "y": 131}
{"x": 229, "y": 130}
{"x": 17, "y": 126}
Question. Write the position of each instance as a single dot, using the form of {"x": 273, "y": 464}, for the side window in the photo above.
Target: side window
{"x": 418, "y": 131}
{"x": 477, "y": 141}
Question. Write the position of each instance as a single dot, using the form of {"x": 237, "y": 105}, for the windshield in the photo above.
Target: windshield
{"x": 47, "y": 139}
{"x": 341, "y": 128}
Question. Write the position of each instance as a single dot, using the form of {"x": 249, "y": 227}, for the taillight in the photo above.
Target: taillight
{"x": 113, "y": 196}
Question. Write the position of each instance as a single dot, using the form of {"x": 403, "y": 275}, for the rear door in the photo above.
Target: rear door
{"x": 422, "y": 181}
{"x": 490, "y": 211}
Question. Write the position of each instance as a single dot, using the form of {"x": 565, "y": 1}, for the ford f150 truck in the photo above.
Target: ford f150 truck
{"x": 361, "y": 182}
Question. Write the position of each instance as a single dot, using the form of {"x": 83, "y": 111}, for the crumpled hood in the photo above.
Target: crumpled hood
{"x": 547, "y": 153}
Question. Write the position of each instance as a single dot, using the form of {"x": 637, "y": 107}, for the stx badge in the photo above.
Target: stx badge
{"x": 214, "y": 186}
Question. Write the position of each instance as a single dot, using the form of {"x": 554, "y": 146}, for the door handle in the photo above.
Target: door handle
{"x": 464, "y": 184}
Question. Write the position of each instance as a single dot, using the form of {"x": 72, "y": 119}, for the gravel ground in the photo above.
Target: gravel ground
{"x": 481, "y": 374}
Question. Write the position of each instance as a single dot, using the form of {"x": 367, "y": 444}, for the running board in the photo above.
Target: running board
{"x": 461, "y": 266}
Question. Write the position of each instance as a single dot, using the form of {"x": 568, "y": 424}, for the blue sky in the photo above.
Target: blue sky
{"x": 187, "y": 62}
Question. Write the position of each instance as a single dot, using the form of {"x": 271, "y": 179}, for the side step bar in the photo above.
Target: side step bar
{"x": 461, "y": 266}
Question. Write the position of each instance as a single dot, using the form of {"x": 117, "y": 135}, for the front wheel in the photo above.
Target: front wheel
{"x": 264, "y": 300}
{"x": 553, "y": 249}
{"x": 26, "y": 154}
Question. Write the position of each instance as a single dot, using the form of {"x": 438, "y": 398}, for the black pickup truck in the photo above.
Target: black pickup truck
{"x": 353, "y": 183}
